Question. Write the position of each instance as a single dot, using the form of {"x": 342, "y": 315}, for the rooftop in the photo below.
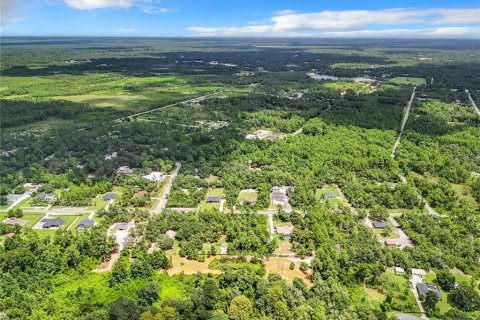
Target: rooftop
{"x": 380, "y": 224}
{"x": 286, "y": 230}
{"x": 213, "y": 199}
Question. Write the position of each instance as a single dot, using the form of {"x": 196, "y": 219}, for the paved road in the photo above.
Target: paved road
{"x": 25, "y": 196}
{"x": 474, "y": 105}
{"x": 404, "y": 121}
{"x": 163, "y": 199}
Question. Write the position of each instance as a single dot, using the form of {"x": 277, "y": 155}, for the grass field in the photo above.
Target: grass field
{"x": 281, "y": 266}
{"x": 409, "y": 80}
{"x": 247, "y": 195}
{"x": 342, "y": 86}
{"x": 118, "y": 101}
{"x": 212, "y": 192}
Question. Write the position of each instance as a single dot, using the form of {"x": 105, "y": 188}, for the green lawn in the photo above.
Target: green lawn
{"x": 32, "y": 218}
{"x": 409, "y": 80}
{"x": 75, "y": 224}
{"x": 247, "y": 195}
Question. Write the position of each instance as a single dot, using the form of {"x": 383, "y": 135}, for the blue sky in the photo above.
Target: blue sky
{"x": 259, "y": 18}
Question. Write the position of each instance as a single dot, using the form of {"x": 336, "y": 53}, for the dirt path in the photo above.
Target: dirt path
{"x": 163, "y": 199}
{"x": 156, "y": 109}
{"x": 404, "y": 121}
{"x": 474, "y": 105}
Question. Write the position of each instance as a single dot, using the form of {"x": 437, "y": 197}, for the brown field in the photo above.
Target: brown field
{"x": 183, "y": 265}
{"x": 281, "y": 266}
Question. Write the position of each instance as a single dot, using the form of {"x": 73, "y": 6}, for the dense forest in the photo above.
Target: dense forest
{"x": 177, "y": 149}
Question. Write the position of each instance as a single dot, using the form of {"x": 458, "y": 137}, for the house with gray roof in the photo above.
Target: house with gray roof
{"x": 213, "y": 199}
{"x": 85, "y": 223}
{"x": 44, "y": 196}
{"x": 52, "y": 223}
{"x": 424, "y": 288}
{"x": 109, "y": 196}
{"x": 380, "y": 224}
{"x": 13, "y": 197}
{"x": 330, "y": 195}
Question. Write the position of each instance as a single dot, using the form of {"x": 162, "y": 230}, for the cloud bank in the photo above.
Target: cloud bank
{"x": 412, "y": 23}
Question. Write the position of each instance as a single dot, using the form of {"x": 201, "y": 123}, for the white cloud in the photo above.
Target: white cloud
{"x": 97, "y": 4}
{"x": 445, "y": 32}
{"x": 146, "y": 6}
{"x": 449, "y": 22}
{"x": 125, "y": 30}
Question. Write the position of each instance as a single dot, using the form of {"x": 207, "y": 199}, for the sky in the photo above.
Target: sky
{"x": 458, "y": 19}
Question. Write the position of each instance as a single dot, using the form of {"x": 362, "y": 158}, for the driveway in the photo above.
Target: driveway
{"x": 163, "y": 199}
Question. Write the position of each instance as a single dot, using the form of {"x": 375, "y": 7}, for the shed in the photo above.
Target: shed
{"x": 392, "y": 243}
{"x": 213, "y": 199}
{"x": 140, "y": 194}
{"x": 171, "y": 234}
{"x": 380, "y": 224}
{"x": 419, "y": 272}
{"x": 399, "y": 270}
{"x": 330, "y": 195}
{"x": 109, "y": 196}
{"x": 285, "y": 230}
{"x": 120, "y": 226}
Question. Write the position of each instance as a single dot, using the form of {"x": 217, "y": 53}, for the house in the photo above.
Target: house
{"x": 85, "y": 223}
{"x": 399, "y": 270}
{"x": 50, "y": 196}
{"x": 125, "y": 170}
{"x": 392, "y": 243}
{"x": 14, "y": 221}
{"x": 285, "y": 230}
{"x": 154, "y": 176}
{"x": 140, "y": 194}
{"x": 419, "y": 273}
{"x": 171, "y": 234}
{"x": 213, "y": 199}
{"x": 52, "y": 223}
{"x": 109, "y": 196}
{"x": 380, "y": 224}
{"x": 330, "y": 195}
{"x": 120, "y": 226}
{"x": 279, "y": 196}
{"x": 110, "y": 156}
{"x": 424, "y": 288}
{"x": 12, "y": 198}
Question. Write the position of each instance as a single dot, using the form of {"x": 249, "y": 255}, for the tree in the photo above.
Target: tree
{"x": 119, "y": 273}
{"x": 15, "y": 213}
{"x": 148, "y": 294}
{"x": 292, "y": 265}
{"x": 124, "y": 309}
{"x": 445, "y": 279}
{"x": 165, "y": 242}
{"x": 431, "y": 301}
{"x": 141, "y": 269}
{"x": 465, "y": 297}
{"x": 240, "y": 308}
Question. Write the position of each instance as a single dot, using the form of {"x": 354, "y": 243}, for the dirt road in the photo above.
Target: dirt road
{"x": 474, "y": 105}
{"x": 404, "y": 121}
{"x": 163, "y": 199}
